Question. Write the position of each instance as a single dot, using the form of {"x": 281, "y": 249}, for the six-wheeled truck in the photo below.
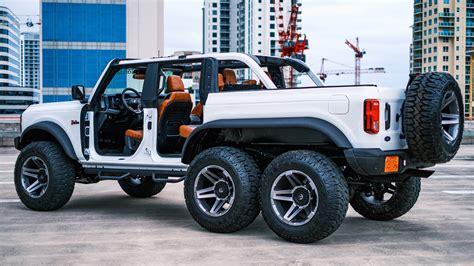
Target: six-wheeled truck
{"x": 243, "y": 141}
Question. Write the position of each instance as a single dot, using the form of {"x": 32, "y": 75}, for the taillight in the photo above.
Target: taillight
{"x": 371, "y": 116}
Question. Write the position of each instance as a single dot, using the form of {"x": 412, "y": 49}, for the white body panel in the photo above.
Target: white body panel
{"x": 61, "y": 113}
{"x": 146, "y": 157}
{"x": 343, "y": 107}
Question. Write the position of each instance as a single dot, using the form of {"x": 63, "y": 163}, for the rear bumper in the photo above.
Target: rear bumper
{"x": 371, "y": 162}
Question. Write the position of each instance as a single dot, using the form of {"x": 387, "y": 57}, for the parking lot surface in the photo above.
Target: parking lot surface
{"x": 101, "y": 224}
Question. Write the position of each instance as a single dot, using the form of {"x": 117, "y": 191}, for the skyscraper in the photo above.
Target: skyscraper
{"x": 13, "y": 98}
{"x": 242, "y": 26}
{"x": 30, "y": 59}
{"x": 79, "y": 38}
{"x": 9, "y": 48}
{"x": 442, "y": 32}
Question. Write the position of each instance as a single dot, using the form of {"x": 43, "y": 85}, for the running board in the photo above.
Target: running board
{"x": 167, "y": 180}
{"x": 116, "y": 174}
{"x": 111, "y": 177}
{"x": 156, "y": 178}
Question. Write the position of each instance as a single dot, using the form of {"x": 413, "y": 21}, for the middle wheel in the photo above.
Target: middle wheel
{"x": 221, "y": 189}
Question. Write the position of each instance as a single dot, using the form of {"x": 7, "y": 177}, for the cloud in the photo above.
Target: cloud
{"x": 382, "y": 26}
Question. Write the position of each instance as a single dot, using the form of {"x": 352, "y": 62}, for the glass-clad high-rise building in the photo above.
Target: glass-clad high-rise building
{"x": 9, "y": 48}
{"x": 79, "y": 38}
{"x": 13, "y": 98}
{"x": 30, "y": 59}
{"x": 244, "y": 26}
{"x": 443, "y": 33}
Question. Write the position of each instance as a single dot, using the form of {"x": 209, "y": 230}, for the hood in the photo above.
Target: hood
{"x": 57, "y": 106}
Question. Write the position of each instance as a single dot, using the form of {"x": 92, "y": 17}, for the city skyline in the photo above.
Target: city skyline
{"x": 383, "y": 28}
{"x": 14, "y": 96}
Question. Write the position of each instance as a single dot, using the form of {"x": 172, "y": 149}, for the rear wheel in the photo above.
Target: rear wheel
{"x": 304, "y": 196}
{"x": 221, "y": 189}
{"x": 386, "y": 201}
{"x": 141, "y": 186}
{"x": 44, "y": 176}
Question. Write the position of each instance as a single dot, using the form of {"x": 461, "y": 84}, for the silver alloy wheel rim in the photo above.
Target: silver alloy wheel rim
{"x": 384, "y": 194}
{"x": 34, "y": 177}
{"x": 294, "y": 198}
{"x": 214, "y": 190}
{"x": 450, "y": 117}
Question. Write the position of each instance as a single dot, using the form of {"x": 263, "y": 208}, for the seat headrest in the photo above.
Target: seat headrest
{"x": 229, "y": 76}
{"x": 250, "y": 82}
{"x": 174, "y": 83}
{"x": 139, "y": 74}
{"x": 220, "y": 81}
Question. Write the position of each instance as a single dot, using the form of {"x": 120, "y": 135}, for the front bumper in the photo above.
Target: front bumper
{"x": 371, "y": 162}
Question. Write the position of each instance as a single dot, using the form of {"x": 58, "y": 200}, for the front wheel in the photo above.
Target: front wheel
{"x": 44, "y": 176}
{"x": 386, "y": 201}
{"x": 304, "y": 196}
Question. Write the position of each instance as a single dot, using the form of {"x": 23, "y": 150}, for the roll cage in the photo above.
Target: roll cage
{"x": 211, "y": 65}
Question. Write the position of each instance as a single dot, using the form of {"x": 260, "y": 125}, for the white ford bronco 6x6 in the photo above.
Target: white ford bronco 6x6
{"x": 243, "y": 141}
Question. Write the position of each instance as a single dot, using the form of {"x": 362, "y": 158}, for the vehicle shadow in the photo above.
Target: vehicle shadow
{"x": 172, "y": 213}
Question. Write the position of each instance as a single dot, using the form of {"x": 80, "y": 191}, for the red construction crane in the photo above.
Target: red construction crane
{"x": 292, "y": 43}
{"x": 359, "y": 54}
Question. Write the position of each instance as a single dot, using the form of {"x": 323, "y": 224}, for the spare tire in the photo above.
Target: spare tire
{"x": 433, "y": 117}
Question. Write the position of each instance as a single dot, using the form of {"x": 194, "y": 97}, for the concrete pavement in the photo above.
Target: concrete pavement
{"x": 102, "y": 225}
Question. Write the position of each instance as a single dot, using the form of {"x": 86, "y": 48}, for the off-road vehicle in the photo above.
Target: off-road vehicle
{"x": 243, "y": 141}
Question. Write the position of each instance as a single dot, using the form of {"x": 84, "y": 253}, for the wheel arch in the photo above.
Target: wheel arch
{"x": 312, "y": 130}
{"x": 47, "y": 131}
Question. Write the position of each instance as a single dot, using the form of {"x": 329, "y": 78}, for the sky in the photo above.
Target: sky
{"x": 383, "y": 27}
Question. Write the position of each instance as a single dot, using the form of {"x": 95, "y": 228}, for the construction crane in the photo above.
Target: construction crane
{"x": 292, "y": 43}
{"x": 323, "y": 74}
{"x": 359, "y": 54}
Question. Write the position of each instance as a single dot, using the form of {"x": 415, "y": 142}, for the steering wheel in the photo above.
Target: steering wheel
{"x": 133, "y": 103}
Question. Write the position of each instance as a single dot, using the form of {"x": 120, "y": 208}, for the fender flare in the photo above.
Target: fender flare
{"x": 58, "y": 134}
{"x": 316, "y": 124}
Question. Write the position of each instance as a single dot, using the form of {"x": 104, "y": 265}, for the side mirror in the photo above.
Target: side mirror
{"x": 78, "y": 93}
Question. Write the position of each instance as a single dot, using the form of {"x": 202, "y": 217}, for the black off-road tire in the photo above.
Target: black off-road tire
{"x": 422, "y": 117}
{"x": 333, "y": 196}
{"x": 148, "y": 188}
{"x": 404, "y": 198}
{"x": 245, "y": 175}
{"x": 62, "y": 176}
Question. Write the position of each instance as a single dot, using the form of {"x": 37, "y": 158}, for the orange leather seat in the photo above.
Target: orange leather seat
{"x": 220, "y": 81}
{"x": 250, "y": 82}
{"x": 134, "y": 134}
{"x": 176, "y": 95}
{"x": 176, "y": 92}
{"x": 198, "y": 109}
{"x": 186, "y": 130}
{"x": 174, "y": 112}
{"x": 229, "y": 76}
